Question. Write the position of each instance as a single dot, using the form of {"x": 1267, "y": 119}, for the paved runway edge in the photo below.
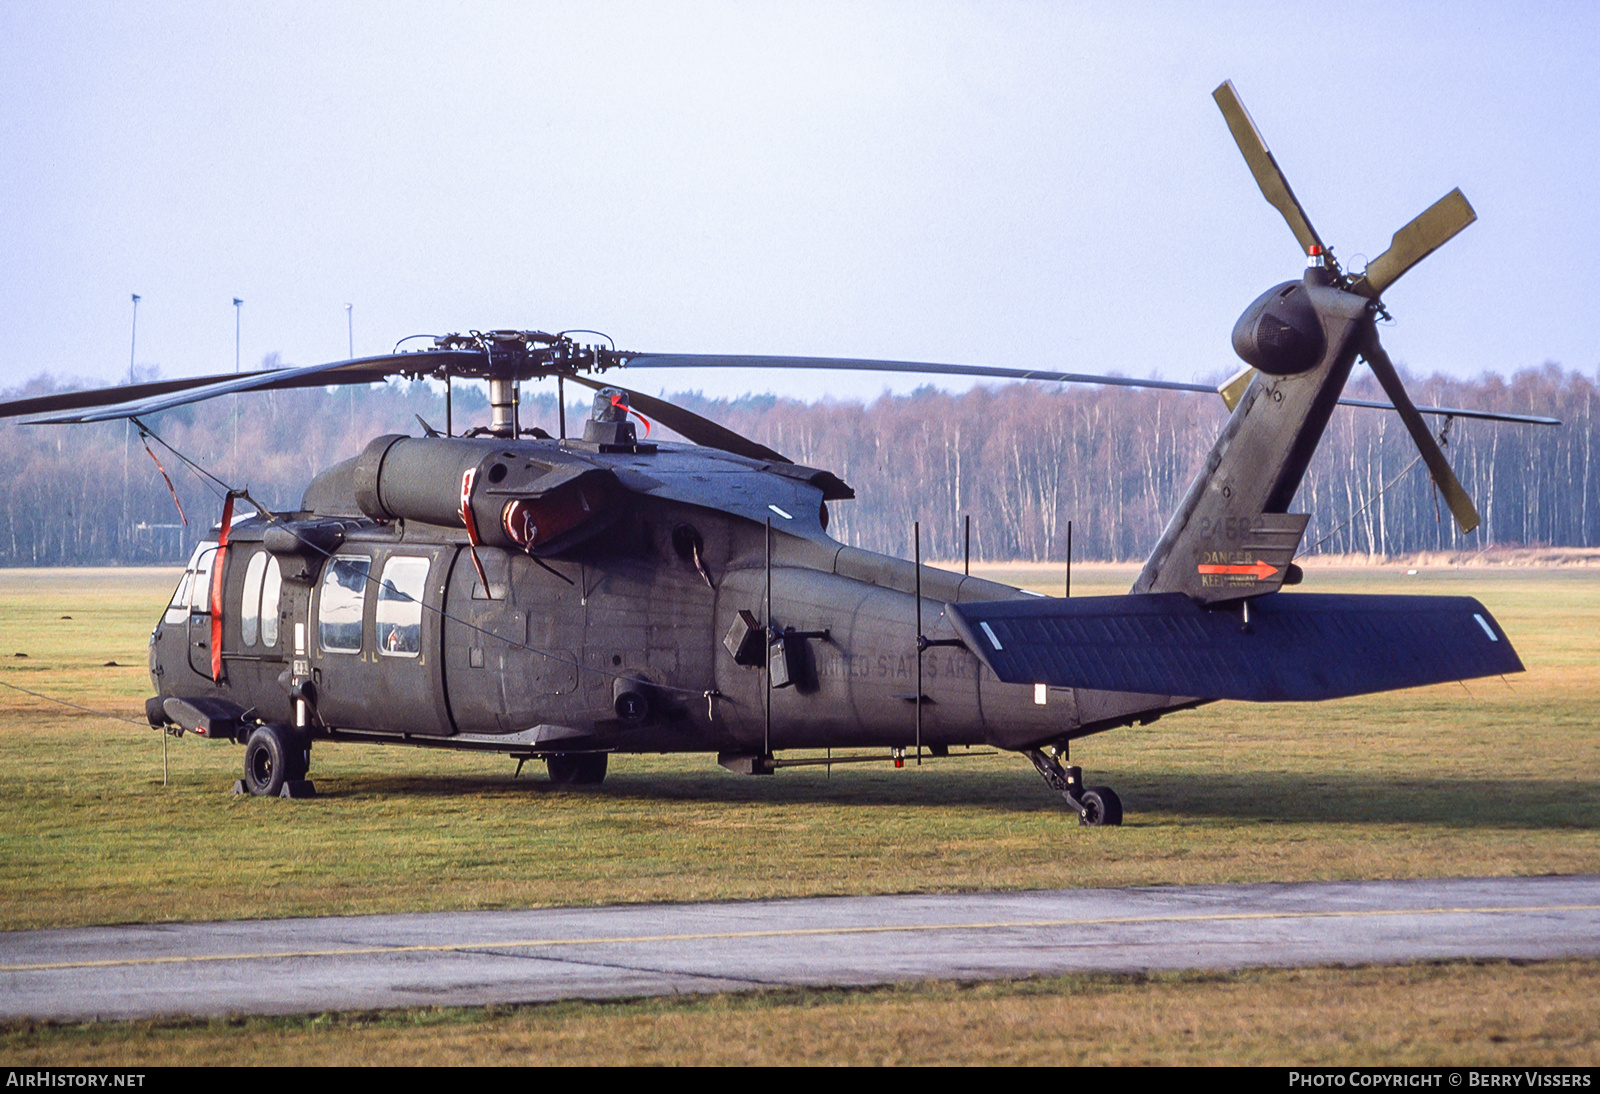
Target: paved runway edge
{"x": 292, "y": 966}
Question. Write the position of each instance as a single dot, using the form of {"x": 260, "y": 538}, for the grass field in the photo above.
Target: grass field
{"x": 1494, "y": 777}
{"x": 1442, "y": 1015}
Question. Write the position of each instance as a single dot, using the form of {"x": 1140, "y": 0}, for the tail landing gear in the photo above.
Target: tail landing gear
{"x": 1096, "y": 805}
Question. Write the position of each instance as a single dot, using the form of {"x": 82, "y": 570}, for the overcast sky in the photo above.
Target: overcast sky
{"x": 987, "y": 183}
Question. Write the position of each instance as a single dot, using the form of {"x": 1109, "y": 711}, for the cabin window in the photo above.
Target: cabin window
{"x": 258, "y": 616}
{"x": 184, "y": 597}
{"x": 400, "y": 606}
{"x": 340, "y": 605}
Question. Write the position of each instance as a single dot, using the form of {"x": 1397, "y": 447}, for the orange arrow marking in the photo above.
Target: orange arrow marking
{"x": 1258, "y": 570}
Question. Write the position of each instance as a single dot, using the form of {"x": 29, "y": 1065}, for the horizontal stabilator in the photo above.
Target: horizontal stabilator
{"x": 1282, "y": 647}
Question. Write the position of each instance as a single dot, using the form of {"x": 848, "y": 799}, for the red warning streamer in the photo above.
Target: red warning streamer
{"x": 165, "y": 478}
{"x": 471, "y": 523}
{"x": 216, "y": 589}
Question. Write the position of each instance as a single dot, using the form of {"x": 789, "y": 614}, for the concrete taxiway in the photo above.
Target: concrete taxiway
{"x": 454, "y": 958}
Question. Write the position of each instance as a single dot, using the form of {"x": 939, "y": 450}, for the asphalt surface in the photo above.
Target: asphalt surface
{"x": 290, "y": 966}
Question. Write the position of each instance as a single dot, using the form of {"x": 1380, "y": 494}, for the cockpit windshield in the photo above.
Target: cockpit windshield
{"x": 194, "y": 587}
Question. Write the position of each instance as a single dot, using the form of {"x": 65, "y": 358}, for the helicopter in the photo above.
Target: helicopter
{"x": 563, "y": 598}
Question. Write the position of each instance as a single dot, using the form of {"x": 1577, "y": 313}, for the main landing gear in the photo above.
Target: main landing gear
{"x": 577, "y": 768}
{"x": 1096, "y": 805}
{"x": 276, "y": 761}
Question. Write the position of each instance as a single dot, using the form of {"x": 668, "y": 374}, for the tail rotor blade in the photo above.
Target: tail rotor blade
{"x": 1269, "y": 176}
{"x": 1429, "y": 231}
{"x": 1455, "y": 496}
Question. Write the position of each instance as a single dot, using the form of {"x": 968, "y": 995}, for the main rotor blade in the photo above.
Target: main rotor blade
{"x": 702, "y": 431}
{"x": 1461, "y": 506}
{"x": 363, "y": 370}
{"x": 104, "y": 396}
{"x": 858, "y": 364}
{"x": 1427, "y": 232}
{"x": 1458, "y": 412}
{"x": 1269, "y": 176}
{"x": 853, "y": 364}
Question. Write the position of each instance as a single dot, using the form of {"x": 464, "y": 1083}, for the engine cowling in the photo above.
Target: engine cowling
{"x": 517, "y": 500}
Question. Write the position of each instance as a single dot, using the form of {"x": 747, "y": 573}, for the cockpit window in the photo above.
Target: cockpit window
{"x": 340, "y": 605}
{"x": 178, "y": 610}
{"x": 200, "y": 583}
{"x": 250, "y": 611}
{"x": 194, "y": 587}
{"x": 271, "y": 594}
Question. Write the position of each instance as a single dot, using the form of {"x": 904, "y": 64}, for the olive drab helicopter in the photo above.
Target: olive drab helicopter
{"x": 565, "y": 598}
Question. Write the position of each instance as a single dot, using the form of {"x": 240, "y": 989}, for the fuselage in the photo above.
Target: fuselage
{"x": 626, "y": 640}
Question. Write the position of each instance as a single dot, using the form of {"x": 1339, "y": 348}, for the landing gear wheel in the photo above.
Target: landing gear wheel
{"x": 1101, "y": 807}
{"x": 577, "y": 768}
{"x": 1097, "y": 806}
{"x": 271, "y": 757}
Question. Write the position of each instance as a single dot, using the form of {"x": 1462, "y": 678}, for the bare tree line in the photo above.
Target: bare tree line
{"x": 1020, "y": 459}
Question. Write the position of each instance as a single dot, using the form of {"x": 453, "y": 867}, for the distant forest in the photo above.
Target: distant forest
{"x": 1021, "y": 459}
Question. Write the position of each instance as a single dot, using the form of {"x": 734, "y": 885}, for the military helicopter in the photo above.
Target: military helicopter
{"x": 565, "y": 598}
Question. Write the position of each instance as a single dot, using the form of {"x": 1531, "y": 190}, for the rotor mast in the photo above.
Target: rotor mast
{"x": 502, "y": 407}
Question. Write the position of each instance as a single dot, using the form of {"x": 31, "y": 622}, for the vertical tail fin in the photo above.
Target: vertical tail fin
{"x": 1232, "y": 535}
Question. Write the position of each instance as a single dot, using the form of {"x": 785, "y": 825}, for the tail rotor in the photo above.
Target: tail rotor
{"x": 1423, "y": 235}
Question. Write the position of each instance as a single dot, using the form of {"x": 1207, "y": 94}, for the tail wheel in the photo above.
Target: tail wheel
{"x": 1101, "y": 807}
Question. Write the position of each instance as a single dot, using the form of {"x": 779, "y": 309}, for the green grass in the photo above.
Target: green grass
{"x": 1429, "y": 1014}
{"x": 1497, "y": 777}
{"x": 1492, "y": 778}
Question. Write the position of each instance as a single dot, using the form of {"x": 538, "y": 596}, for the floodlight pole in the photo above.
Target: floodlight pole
{"x": 133, "y": 342}
{"x": 916, "y": 556}
{"x": 237, "y": 306}
{"x": 350, "y": 332}
{"x": 127, "y": 426}
{"x": 766, "y": 675}
{"x": 1069, "y": 559}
